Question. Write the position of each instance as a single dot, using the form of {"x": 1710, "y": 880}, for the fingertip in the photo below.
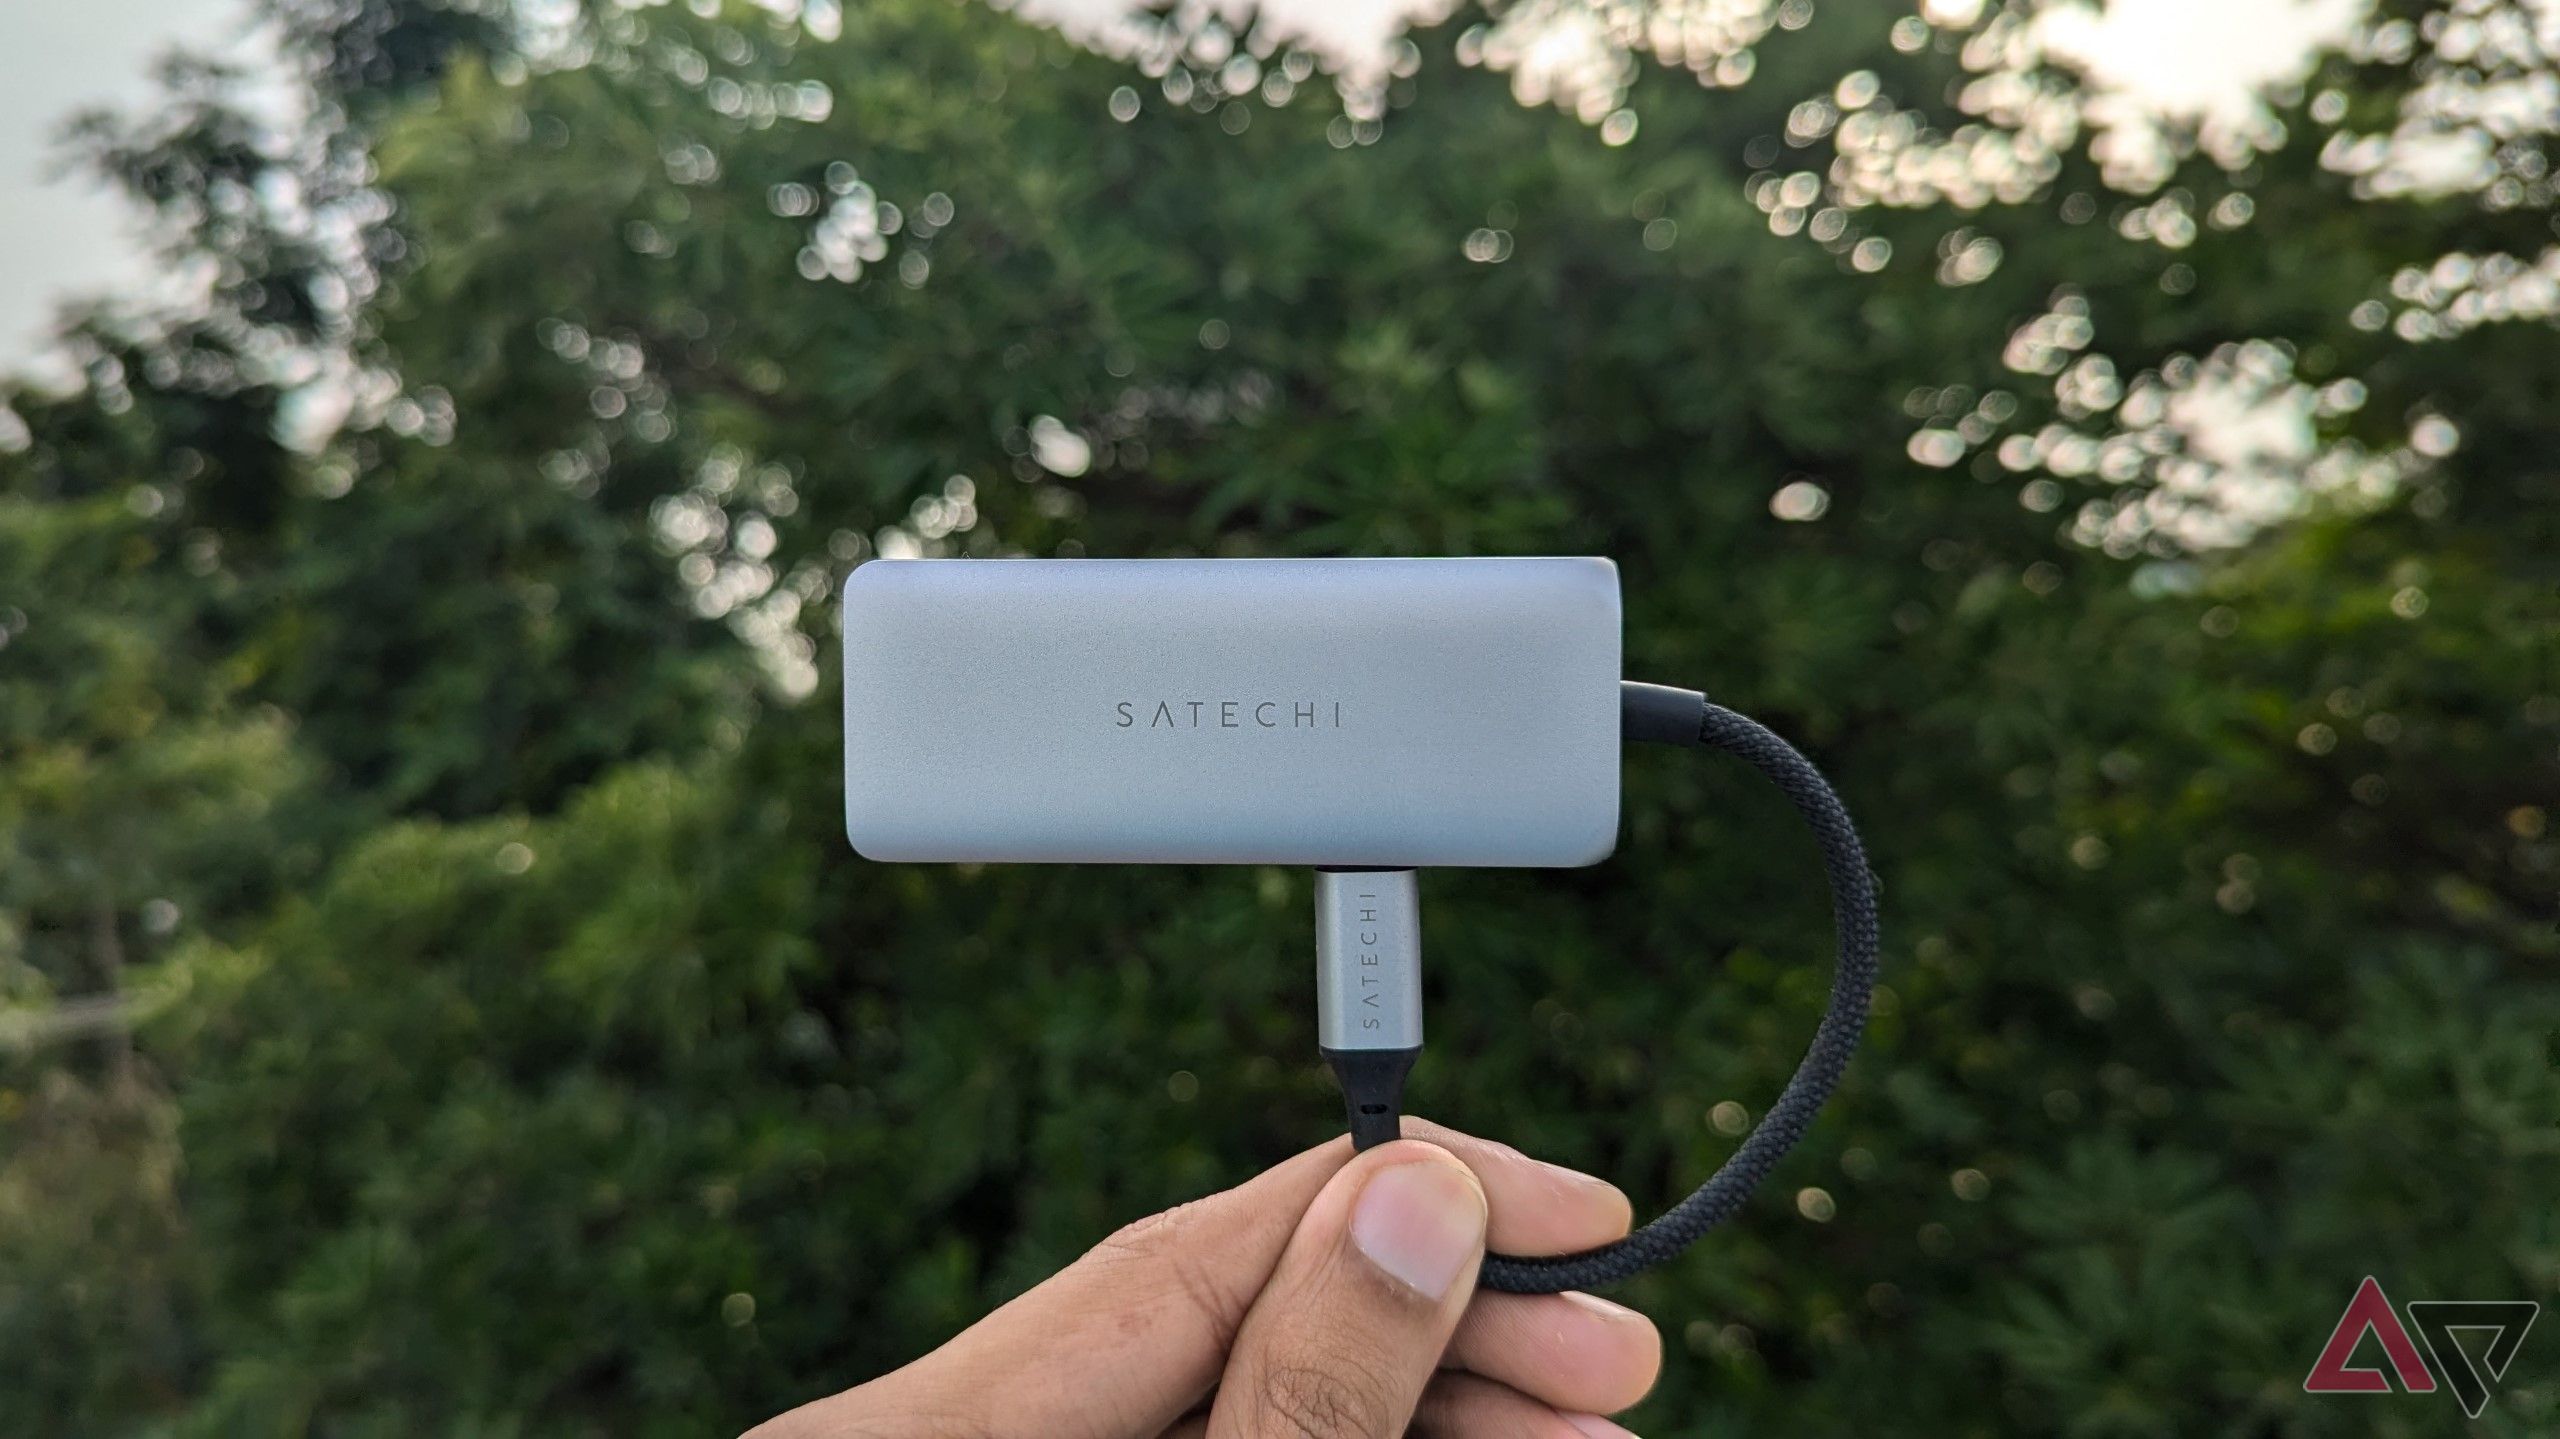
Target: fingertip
{"x": 1604, "y": 1206}
{"x": 1419, "y": 1217}
{"x": 1639, "y": 1341}
{"x": 1571, "y": 1350}
{"x": 1622, "y": 1215}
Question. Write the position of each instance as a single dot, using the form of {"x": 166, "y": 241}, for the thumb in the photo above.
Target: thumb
{"x": 1350, "y": 1326}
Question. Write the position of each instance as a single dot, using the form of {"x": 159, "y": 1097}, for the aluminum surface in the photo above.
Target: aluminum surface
{"x": 1365, "y": 712}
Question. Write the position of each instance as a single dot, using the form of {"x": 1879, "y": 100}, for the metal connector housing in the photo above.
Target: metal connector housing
{"x": 1368, "y": 959}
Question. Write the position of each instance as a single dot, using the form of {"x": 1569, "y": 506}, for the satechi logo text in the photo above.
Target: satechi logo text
{"x": 1238, "y": 714}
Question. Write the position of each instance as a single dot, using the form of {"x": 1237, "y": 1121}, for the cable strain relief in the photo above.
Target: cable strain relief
{"x": 1660, "y": 714}
{"x": 1372, "y": 1091}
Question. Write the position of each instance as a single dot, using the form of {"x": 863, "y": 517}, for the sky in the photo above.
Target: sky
{"x": 63, "y": 237}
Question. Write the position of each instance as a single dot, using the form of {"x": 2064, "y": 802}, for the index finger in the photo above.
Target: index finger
{"x": 1538, "y": 1208}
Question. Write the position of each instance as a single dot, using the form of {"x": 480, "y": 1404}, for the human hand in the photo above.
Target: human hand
{"x": 1332, "y": 1297}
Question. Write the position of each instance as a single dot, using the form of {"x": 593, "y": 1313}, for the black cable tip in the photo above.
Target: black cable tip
{"x": 1660, "y": 714}
{"x": 1372, "y": 1091}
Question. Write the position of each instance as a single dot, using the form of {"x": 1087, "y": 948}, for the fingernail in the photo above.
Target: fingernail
{"x": 1597, "y": 1427}
{"x": 1575, "y": 1178}
{"x": 1614, "y": 1313}
{"x": 1591, "y": 1188}
{"x": 1423, "y": 1223}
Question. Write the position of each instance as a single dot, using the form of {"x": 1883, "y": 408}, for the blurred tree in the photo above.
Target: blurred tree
{"x": 2150, "y": 525}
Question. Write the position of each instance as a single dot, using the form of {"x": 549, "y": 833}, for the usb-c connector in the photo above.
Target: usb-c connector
{"x": 1369, "y": 992}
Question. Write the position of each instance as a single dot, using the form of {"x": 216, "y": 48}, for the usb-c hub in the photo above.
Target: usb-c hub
{"x": 1366, "y": 717}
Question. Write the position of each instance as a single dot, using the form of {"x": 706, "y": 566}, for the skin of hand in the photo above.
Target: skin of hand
{"x": 1331, "y": 1297}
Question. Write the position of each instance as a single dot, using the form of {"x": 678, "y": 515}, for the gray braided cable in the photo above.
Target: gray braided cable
{"x": 1853, "y": 981}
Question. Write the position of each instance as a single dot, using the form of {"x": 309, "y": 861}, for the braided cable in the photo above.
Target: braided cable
{"x": 1853, "y": 981}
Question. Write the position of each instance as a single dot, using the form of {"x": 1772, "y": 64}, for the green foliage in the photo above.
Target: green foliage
{"x": 435, "y": 995}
